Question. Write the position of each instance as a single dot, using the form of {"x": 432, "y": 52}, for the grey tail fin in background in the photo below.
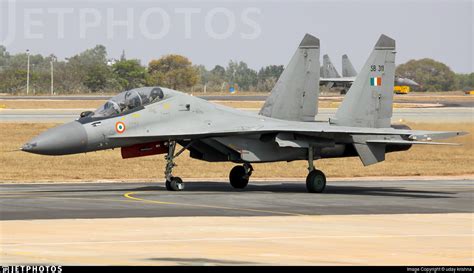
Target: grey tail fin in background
{"x": 347, "y": 67}
{"x": 295, "y": 95}
{"x": 328, "y": 70}
{"x": 369, "y": 101}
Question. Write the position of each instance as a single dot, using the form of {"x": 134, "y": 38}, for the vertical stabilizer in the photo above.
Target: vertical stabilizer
{"x": 347, "y": 67}
{"x": 295, "y": 95}
{"x": 369, "y": 101}
{"x": 328, "y": 70}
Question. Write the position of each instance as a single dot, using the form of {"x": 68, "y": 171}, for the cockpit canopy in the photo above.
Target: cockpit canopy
{"x": 128, "y": 101}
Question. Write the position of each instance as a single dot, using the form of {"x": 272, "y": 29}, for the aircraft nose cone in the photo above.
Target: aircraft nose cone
{"x": 69, "y": 138}
{"x": 412, "y": 82}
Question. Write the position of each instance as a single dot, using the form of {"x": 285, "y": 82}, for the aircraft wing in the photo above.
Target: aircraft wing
{"x": 337, "y": 80}
{"x": 232, "y": 128}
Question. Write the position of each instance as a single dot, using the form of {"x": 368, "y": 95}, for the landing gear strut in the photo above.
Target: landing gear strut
{"x": 316, "y": 180}
{"x": 239, "y": 176}
{"x": 172, "y": 183}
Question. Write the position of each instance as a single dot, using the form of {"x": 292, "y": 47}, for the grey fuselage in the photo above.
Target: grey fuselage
{"x": 211, "y": 132}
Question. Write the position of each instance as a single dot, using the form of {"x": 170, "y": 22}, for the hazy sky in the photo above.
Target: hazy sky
{"x": 257, "y": 32}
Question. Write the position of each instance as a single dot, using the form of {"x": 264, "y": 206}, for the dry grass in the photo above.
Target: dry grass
{"x": 51, "y": 104}
{"x": 434, "y": 98}
{"x": 93, "y": 104}
{"x": 419, "y": 161}
{"x": 242, "y": 104}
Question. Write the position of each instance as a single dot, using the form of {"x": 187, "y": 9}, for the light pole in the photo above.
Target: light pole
{"x": 28, "y": 72}
{"x": 53, "y": 59}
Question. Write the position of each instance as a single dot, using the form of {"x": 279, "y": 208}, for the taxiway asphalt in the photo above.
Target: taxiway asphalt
{"x": 270, "y": 198}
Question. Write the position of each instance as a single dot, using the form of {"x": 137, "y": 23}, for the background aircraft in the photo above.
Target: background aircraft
{"x": 348, "y": 69}
{"x": 331, "y": 78}
{"x": 153, "y": 120}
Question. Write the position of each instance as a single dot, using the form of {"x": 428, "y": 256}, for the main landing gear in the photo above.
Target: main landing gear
{"x": 316, "y": 180}
{"x": 172, "y": 183}
{"x": 239, "y": 176}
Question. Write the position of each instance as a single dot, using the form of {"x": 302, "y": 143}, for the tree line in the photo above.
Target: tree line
{"x": 435, "y": 76}
{"x": 92, "y": 71}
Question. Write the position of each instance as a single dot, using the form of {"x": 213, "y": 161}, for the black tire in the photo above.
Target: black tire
{"x": 175, "y": 184}
{"x": 168, "y": 185}
{"x": 316, "y": 181}
{"x": 238, "y": 178}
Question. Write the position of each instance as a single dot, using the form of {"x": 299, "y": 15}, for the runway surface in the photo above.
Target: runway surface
{"x": 409, "y": 114}
{"x": 123, "y": 200}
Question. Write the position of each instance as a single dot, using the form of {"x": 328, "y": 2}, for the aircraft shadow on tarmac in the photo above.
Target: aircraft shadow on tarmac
{"x": 219, "y": 187}
{"x": 200, "y": 261}
{"x": 301, "y": 188}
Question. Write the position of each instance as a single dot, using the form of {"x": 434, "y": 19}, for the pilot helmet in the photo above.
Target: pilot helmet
{"x": 156, "y": 93}
{"x": 132, "y": 100}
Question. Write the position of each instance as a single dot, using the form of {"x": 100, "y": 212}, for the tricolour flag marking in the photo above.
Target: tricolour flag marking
{"x": 375, "y": 81}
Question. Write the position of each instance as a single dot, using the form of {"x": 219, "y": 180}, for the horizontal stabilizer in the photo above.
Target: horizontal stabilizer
{"x": 436, "y": 135}
{"x": 337, "y": 80}
{"x": 369, "y": 153}
{"x": 408, "y": 142}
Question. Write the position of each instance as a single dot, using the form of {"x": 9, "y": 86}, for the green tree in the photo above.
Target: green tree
{"x": 217, "y": 77}
{"x": 129, "y": 73}
{"x": 242, "y": 75}
{"x": 273, "y": 71}
{"x": 204, "y": 75}
{"x": 90, "y": 68}
{"x": 66, "y": 81}
{"x": 97, "y": 77}
{"x": 464, "y": 81}
{"x": 13, "y": 72}
{"x": 12, "y": 81}
{"x": 172, "y": 71}
{"x": 268, "y": 76}
{"x": 4, "y": 57}
{"x": 432, "y": 75}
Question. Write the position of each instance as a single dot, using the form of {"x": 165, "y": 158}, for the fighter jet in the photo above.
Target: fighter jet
{"x": 405, "y": 81}
{"x": 154, "y": 120}
{"x": 330, "y": 77}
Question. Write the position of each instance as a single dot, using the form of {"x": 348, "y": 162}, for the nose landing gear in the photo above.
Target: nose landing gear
{"x": 173, "y": 183}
